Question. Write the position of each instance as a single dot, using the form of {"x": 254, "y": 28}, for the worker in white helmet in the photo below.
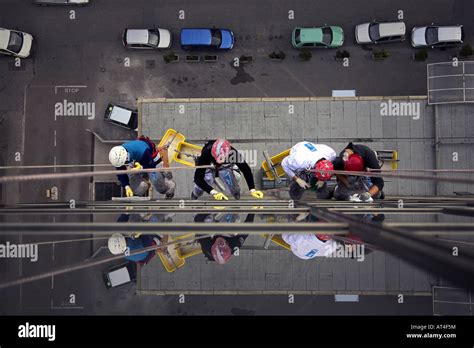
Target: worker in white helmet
{"x": 119, "y": 244}
{"x": 141, "y": 153}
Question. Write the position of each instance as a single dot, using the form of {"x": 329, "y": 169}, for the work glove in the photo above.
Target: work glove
{"x": 364, "y": 197}
{"x": 219, "y": 196}
{"x": 256, "y": 194}
{"x": 303, "y": 184}
{"x": 128, "y": 191}
{"x": 137, "y": 166}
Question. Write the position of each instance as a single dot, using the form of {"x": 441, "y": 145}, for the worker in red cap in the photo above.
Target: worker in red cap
{"x": 305, "y": 161}
{"x": 357, "y": 158}
{"x": 224, "y": 157}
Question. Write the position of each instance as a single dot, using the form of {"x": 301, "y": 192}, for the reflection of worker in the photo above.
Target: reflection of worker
{"x": 357, "y": 188}
{"x": 301, "y": 165}
{"x": 309, "y": 246}
{"x": 220, "y": 248}
{"x": 221, "y": 154}
{"x": 137, "y": 154}
{"x": 119, "y": 244}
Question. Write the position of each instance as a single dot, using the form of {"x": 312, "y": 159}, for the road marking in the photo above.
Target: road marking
{"x": 52, "y": 282}
{"x": 298, "y": 81}
{"x": 72, "y": 86}
{"x": 53, "y": 244}
{"x": 54, "y": 165}
{"x": 55, "y": 136}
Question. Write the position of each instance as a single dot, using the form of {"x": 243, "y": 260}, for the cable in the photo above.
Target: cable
{"x": 56, "y": 166}
{"x": 49, "y": 176}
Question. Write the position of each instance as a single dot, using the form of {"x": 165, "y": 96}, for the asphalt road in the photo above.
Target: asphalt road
{"x": 82, "y": 60}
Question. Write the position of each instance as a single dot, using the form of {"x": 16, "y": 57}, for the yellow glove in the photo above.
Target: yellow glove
{"x": 137, "y": 166}
{"x": 219, "y": 196}
{"x": 128, "y": 191}
{"x": 256, "y": 194}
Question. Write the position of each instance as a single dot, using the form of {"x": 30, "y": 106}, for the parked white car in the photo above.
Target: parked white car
{"x": 146, "y": 38}
{"x": 15, "y": 43}
{"x": 375, "y": 32}
{"x": 437, "y": 36}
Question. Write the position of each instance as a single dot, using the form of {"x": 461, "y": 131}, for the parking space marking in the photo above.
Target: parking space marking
{"x": 311, "y": 93}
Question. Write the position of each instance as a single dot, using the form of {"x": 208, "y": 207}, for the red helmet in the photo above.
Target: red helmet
{"x": 354, "y": 163}
{"x": 323, "y": 165}
{"x": 220, "y": 150}
{"x": 221, "y": 251}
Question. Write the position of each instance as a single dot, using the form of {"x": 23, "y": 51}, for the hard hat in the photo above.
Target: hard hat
{"x": 117, "y": 244}
{"x": 118, "y": 156}
{"x": 354, "y": 163}
{"x": 220, "y": 150}
{"x": 323, "y": 165}
{"x": 221, "y": 251}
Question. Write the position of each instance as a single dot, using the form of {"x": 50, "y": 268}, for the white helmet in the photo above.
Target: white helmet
{"x": 118, "y": 156}
{"x": 117, "y": 244}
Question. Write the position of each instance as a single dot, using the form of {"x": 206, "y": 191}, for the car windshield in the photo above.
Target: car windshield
{"x": 15, "y": 42}
{"x": 297, "y": 36}
{"x": 153, "y": 37}
{"x": 327, "y": 35}
{"x": 374, "y": 32}
{"x": 216, "y": 38}
{"x": 431, "y": 35}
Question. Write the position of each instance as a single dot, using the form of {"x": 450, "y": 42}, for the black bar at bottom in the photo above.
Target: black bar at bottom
{"x": 242, "y": 330}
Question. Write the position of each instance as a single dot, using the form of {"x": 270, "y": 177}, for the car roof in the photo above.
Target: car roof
{"x": 4, "y": 37}
{"x": 453, "y": 33}
{"x": 137, "y": 36}
{"x": 120, "y": 114}
{"x": 391, "y": 29}
{"x": 308, "y": 35}
{"x": 196, "y": 36}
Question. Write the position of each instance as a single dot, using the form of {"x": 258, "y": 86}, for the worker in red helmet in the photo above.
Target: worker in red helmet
{"x": 306, "y": 161}
{"x": 357, "y": 158}
{"x": 224, "y": 157}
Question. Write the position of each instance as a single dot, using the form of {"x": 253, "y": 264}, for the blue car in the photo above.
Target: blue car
{"x": 194, "y": 38}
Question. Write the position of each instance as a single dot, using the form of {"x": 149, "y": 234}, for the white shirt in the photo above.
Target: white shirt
{"x": 308, "y": 246}
{"x": 304, "y": 155}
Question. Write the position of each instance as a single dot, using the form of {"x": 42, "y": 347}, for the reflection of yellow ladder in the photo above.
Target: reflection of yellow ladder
{"x": 277, "y": 239}
{"x": 173, "y": 257}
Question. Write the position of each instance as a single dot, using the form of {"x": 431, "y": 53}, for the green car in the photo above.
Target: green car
{"x": 323, "y": 37}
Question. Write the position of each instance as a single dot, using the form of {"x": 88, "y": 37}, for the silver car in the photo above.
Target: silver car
{"x": 437, "y": 36}
{"x": 375, "y": 32}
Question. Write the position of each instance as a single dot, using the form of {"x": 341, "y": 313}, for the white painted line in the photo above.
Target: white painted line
{"x": 54, "y": 165}
{"x": 71, "y": 86}
{"x": 52, "y": 255}
{"x": 55, "y": 137}
{"x": 52, "y": 282}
